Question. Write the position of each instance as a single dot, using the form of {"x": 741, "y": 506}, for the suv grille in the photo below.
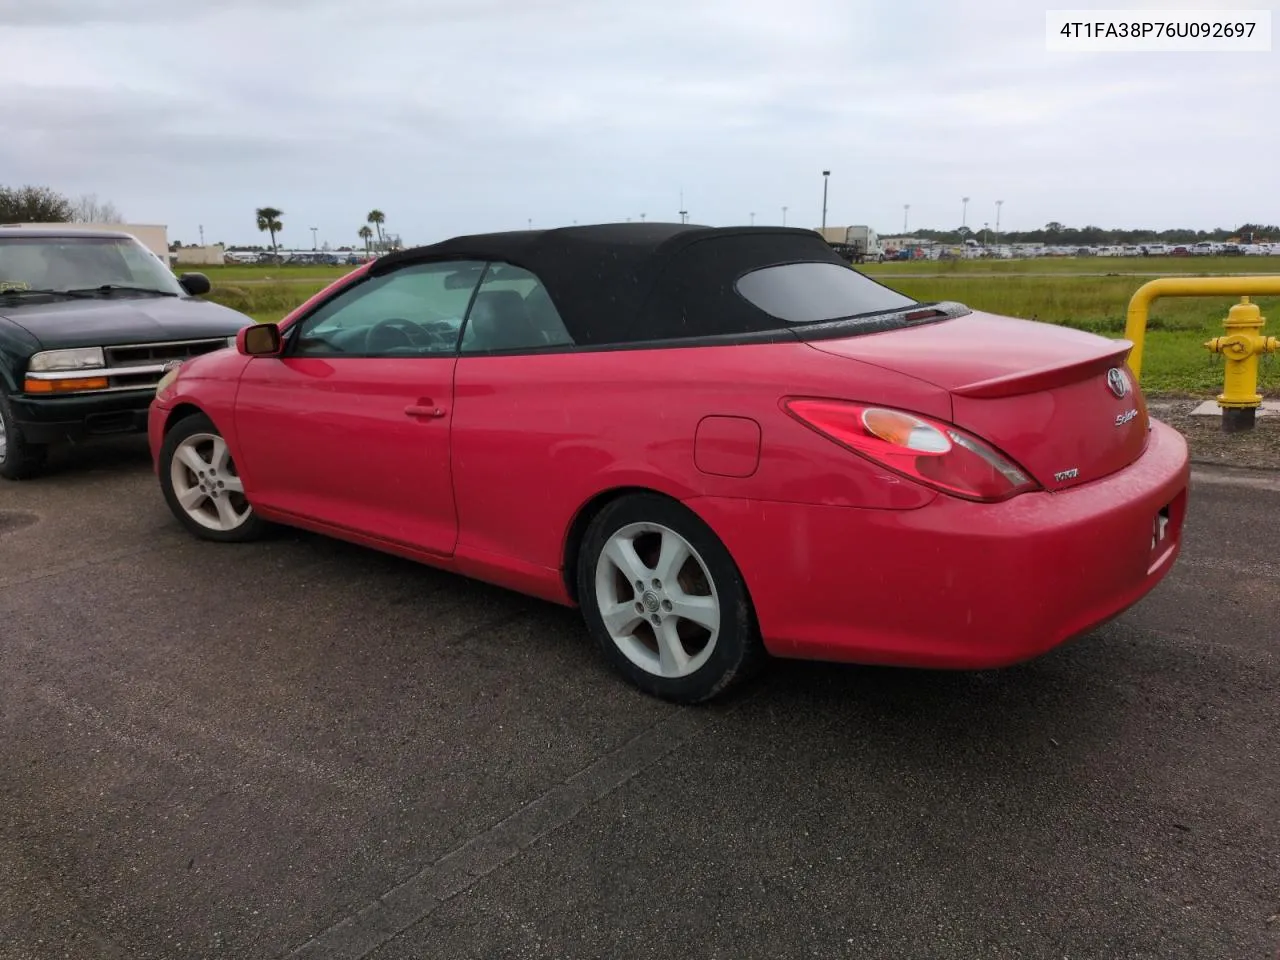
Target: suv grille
{"x": 150, "y": 359}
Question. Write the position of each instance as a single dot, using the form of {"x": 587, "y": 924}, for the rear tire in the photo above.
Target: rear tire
{"x": 665, "y": 602}
{"x": 201, "y": 485}
{"x": 19, "y": 460}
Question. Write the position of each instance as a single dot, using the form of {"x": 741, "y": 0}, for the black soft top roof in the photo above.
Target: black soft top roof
{"x": 629, "y": 282}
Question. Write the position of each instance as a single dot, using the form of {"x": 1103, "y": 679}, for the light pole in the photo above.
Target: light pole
{"x": 998, "y": 204}
{"x": 642, "y": 218}
{"x": 202, "y": 234}
{"x": 784, "y": 216}
{"x": 313, "y": 239}
{"x": 753, "y": 218}
{"x": 529, "y": 223}
{"x": 825, "y": 176}
{"x": 984, "y": 233}
{"x": 684, "y": 216}
{"x": 905, "y": 208}
{"x": 964, "y": 213}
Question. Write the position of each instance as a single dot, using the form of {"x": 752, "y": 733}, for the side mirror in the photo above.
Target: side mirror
{"x": 259, "y": 340}
{"x": 196, "y": 284}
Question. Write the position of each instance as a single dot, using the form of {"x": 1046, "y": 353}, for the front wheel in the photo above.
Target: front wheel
{"x": 665, "y": 601}
{"x": 19, "y": 460}
{"x": 201, "y": 485}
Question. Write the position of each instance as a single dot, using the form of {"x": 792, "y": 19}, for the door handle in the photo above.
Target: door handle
{"x": 424, "y": 410}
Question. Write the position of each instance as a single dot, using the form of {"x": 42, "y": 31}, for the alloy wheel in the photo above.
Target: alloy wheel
{"x": 206, "y": 485}
{"x": 657, "y": 599}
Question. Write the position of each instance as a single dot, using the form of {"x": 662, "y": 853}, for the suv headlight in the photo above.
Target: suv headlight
{"x": 83, "y": 358}
{"x": 170, "y": 374}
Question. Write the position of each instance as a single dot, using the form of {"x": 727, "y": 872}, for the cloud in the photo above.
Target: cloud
{"x": 463, "y": 115}
{"x": 84, "y": 12}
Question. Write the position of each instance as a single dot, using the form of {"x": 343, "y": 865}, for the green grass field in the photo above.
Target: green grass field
{"x": 1174, "y": 357}
{"x": 268, "y": 300}
{"x": 255, "y": 273}
{"x": 1089, "y": 293}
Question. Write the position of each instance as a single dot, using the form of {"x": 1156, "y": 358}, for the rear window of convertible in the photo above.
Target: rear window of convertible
{"x": 817, "y": 292}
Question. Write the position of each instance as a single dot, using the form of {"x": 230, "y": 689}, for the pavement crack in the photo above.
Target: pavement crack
{"x": 360, "y": 933}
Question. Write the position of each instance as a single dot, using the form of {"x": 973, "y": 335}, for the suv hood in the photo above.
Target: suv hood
{"x": 117, "y": 318}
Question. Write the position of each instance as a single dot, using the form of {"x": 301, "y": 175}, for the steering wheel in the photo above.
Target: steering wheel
{"x": 402, "y": 334}
{"x": 441, "y": 332}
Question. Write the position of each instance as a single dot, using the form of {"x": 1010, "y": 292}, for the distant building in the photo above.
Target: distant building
{"x": 210, "y": 255}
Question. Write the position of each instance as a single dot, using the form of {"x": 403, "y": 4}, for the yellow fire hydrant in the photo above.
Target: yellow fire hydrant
{"x": 1241, "y": 347}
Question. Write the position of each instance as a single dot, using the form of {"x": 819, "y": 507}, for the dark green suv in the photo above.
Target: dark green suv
{"x": 89, "y": 320}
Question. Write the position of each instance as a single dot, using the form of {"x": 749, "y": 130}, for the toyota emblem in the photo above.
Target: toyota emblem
{"x": 1117, "y": 381}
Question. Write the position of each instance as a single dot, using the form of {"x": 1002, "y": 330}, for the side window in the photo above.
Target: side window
{"x": 415, "y": 311}
{"x": 512, "y": 311}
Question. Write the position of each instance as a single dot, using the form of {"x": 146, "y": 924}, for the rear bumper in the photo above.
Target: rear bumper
{"x": 956, "y": 584}
{"x": 45, "y": 420}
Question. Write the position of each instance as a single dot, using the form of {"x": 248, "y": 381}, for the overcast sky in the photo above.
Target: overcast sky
{"x": 457, "y": 116}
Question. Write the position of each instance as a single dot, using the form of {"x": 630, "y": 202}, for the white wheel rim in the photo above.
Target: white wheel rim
{"x": 4, "y": 440}
{"x": 658, "y": 600}
{"x": 206, "y": 485}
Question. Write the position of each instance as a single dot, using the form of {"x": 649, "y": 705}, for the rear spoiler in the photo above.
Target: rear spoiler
{"x": 1046, "y": 378}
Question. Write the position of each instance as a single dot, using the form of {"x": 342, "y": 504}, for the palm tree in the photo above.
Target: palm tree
{"x": 365, "y": 234}
{"x": 377, "y": 218}
{"x": 269, "y": 222}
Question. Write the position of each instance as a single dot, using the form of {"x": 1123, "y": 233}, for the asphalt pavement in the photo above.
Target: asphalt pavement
{"x": 299, "y": 748}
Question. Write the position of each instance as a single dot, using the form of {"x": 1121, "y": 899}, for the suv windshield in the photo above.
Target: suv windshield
{"x": 816, "y": 292}
{"x": 60, "y": 264}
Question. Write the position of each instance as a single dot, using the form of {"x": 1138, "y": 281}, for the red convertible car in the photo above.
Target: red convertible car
{"x": 719, "y": 443}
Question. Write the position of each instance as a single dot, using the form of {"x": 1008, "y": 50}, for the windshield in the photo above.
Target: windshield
{"x": 81, "y": 263}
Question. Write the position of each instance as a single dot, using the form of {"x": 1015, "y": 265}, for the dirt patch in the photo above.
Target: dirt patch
{"x": 1257, "y": 449}
{"x": 11, "y": 520}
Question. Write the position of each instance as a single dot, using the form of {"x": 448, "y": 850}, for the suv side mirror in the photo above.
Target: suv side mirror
{"x": 259, "y": 340}
{"x": 196, "y": 284}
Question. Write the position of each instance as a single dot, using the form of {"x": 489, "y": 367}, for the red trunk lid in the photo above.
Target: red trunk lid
{"x": 1044, "y": 395}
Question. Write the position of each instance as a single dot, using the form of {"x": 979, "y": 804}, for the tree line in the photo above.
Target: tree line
{"x": 270, "y": 220}
{"x": 40, "y": 204}
{"x": 34, "y": 204}
{"x": 1057, "y": 234}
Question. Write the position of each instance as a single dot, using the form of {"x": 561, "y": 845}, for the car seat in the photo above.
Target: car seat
{"x": 499, "y": 320}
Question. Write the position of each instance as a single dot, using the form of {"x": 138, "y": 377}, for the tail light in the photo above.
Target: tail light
{"x": 931, "y": 452}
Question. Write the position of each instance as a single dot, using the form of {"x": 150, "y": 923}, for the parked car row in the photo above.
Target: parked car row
{"x": 897, "y": 249}
{"x": 719, "y": 444}
{"x": 1205, "y": 248}
{"x": 325, "y": 258}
